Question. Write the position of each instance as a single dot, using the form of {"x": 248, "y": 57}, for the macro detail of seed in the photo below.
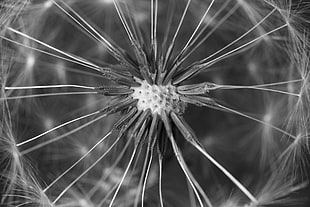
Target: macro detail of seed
{"x": 93, "y": 95}
{"x": 157, "y": 98}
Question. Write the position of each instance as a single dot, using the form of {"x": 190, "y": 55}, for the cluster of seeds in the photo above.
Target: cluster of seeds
{"x": 157, "y": 98}
{"x": 151, "y": 85}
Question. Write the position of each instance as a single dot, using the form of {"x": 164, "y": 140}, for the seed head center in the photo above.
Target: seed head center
{"x": 157, "y": 98}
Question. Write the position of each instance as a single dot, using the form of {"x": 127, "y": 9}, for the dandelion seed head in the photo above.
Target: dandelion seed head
{"x": 157, "y": 98}
{"x": 149, "y": 111}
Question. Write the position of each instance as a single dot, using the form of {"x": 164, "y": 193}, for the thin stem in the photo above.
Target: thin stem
{"x": 177, "y": 63}
{"x": 108, "y": 173}
{"x": 88, "y": 169}
{"x": 246, "y": 44}
{"x": 199, "y": 67}
{"x": 155, "y": 28}
{"x": 78, "y": 161}
{"x": 144, "y": 168}
{"x": 123, "y": 178}
{"x": 152, "y": 22}
{"x": 242, "y": 36}
{"x": 47, "y": 94}
{"x": 79, "y": 59}
{"x": 51, "y": 54}
{"x": 26, "y": 203}
{"x": 125, "y": 25}
{"x": 198, "y": 26}
{"x": 114, "y": 51}
{"x": 171, "y": 46}
{"x": 145, "y": 178}
{"x": 57, "y": 127}
{"x": 105, "y": 198}
{"x": 192, "y": 200}
{"x": 139, "y": 53}
{"x": 62, "y": 136}
{"x": 232, "y": 87}
{"x": 257, "y": 120}
{"x": 221, "y": 21}
{"x": 280, "y": 83}
{"x": 183, "y": 56}
{"x": 184, "y": 167}
{"x": 160, "y": 166}
{"x": 228, "y": 174}
{"x": 171, "y": 8}
{"x": 49, "y": 86}
{"x": 19, "y": 196}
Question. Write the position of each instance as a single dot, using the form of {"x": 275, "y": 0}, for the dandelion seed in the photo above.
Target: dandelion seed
{"x": 150, "y": 84}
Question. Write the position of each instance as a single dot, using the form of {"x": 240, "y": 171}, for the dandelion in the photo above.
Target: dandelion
{"x": 156, "y": 63}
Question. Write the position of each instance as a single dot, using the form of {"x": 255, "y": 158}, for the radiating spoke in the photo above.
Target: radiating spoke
{"x": 20, "y": 196}
{"x": 49, "y": 86}
{"x": 105, "y": 198}
{"x": 184, "y": 168}
{"x": 57, "y": 127}
{"x": 171, "y": 45}
{"x": 146, "y": 177}
{"x": 114, "y": 51}
{"x": 221, "y": 21}
{"x": 155, "y": 28}
{"x": 139, "y": 52}
{"x": 74, "y": 57}
{"x": 23, "y": 204}
{"x": 78, "y": 161}
{"x": 46, "y": 95}
{"x": 132, "y": 22}
{"x": 111, "y": 190}
{"x": 231, "y": 87}
{"x": 191, "y": 193}
{"x": 246, "y": 44}
{"x": 171, "y": 8}
{"x": 140, "y": 185}
{"x": 190, "y": 137}
{"x": 198, "y": 26}
{"x": 176, "y": 62}
{"x": 123, "y": 178}
{"x": 109, "y": 172}
{"x": 128, "y": 30}
{"x": 200, "y": 66}
{"x": 228, "y": 174}
{"x": 160, "y": 166}
{"x": 242, "y": 36}
{"x": 205, "y": 87}
{"x": 257, "y": 120}
{"x": 191, "y": 180}
{"x": 63, "y": 135}
{"x": 88, "y": 169}
{"x": 124, "y": 22}
{"x": 152, "y": 22}
{"x": 154, "y": 15}
{"x": 96, "y": 68}
{"x": 214, "y": 86}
